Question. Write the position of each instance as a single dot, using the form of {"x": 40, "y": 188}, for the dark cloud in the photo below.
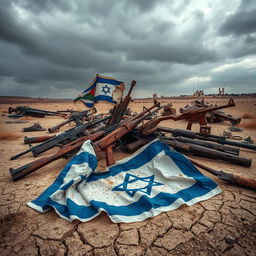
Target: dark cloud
{"x": 240, "y": 23}
{"x": 53, "y": 45}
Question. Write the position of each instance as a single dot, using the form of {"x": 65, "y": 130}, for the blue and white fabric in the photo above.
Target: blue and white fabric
{"x": 153, "y": 180}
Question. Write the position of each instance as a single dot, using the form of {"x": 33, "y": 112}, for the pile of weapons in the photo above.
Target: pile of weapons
{"x": 108, "y": 132}
{"x": 212, "y": 116}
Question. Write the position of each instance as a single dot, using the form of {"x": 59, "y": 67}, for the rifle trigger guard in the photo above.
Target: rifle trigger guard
{"x": 59, "y": 145}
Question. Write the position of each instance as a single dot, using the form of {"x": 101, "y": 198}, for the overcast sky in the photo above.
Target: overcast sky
{"x": 54, "y": 48}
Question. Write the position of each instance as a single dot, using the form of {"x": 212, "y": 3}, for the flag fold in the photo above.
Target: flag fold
{"x": 153, "y": 180}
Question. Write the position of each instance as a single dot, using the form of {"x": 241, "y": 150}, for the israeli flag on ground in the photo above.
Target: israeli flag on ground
{"x": 153, "y": 180}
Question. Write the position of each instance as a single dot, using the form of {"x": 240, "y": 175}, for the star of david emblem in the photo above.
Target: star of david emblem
{"x": 132, "y": 184}
{"x": 106, "y": 89}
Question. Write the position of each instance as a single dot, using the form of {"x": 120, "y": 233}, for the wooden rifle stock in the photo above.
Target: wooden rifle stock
{"x": 105, "y": 144}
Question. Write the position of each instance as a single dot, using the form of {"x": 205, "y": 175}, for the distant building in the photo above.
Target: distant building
{"x": 221, "y": 91}
{"x": 155, "y": 96}
{"x": 199, "y": 93}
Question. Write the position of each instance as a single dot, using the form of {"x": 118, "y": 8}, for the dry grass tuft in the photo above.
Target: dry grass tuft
{"x": 247, "y": 116}
{"x": 9, "y": 136}
{"x": 250, "y": 124}
{"x": 26, "y": 118}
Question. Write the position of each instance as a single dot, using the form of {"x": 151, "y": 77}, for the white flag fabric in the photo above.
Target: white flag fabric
{"x": 153, "y": 180}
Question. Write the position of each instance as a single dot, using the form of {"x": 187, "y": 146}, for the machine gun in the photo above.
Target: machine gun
{"x": 103, "y": 142}
{"x": 119, "y": 110}
{"x": 77, "y": 117}
{"x": 190, "y": 116}
{"x": 61, "y": 139}
{"x": 27, "y": 111}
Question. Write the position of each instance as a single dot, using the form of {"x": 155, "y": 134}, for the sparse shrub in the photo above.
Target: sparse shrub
{"x": 9, "y": 136}
{"x": 247, "y": 116}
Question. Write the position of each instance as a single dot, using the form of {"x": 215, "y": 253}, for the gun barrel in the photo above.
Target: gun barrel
{"x": 24, "y": 170}
{"x": 228, "y": 177}
{"x": 213, "y": 138}
{"x": 57, "y": 127}
{"x": 230, "y": 150}
{"x": 20, "y": 154}
{"x": 222, "y": 140}
{"x": 231, "y": 103}
{"x": 133, "y": 146}
{"x": 206, "y": 152}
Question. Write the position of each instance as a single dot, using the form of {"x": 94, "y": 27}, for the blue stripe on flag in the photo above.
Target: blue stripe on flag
{"x": 89, "y": 105}
{"x": 144, "y": 157}
{"x": 104, "y": 98}
{"x": 142, "y": 205}
{"x": 202, "y": 186}
{"x": 44, "y": 200}
{"x": 108, "y": 81}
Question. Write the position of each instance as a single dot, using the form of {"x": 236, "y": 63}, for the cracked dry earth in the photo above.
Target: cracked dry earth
{"x": 222, "y": 225}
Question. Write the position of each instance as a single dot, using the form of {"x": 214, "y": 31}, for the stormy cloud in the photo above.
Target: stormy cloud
{"x": 54, "y": 48}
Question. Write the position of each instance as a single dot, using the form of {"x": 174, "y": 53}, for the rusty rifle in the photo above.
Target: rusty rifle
{"x": 103, "y": 147}
{"x": 228, "y": 177}
{"x": 62, "y": 138}
{"x": 77, "y": 117}
{"x": 27, "y": 111}
{"x": 190, "y": 116}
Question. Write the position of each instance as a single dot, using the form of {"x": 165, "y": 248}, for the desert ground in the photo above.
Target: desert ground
{"x": 222, "y": 225}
